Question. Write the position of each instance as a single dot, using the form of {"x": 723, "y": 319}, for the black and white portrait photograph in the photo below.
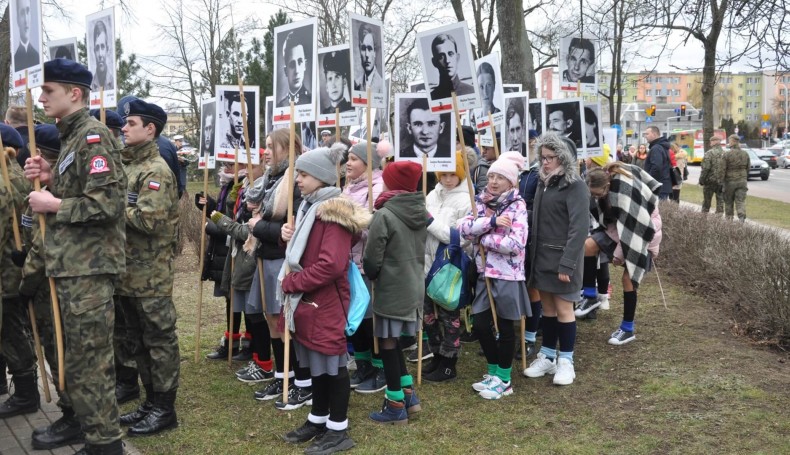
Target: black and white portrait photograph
{"x": 511, "y": 88}
{"x": 492, "y": 98}
{"x": 537, "y": 115}
{"x": 25, "y": 37}
{"x": 448, "y": 66}
{"x": 416, "y": 87}
{"x": 295, "y": 68}
{"x": 268, "y": 126}
{"x": 367, "y": 61}
{"x": 421, "y": 131}
{"x": 592, "y": 130}
{"x": 566, "y": 117}
{"x": 359, "y": 130}
{"x": 63, "y": 48}
{"x": 334, "y": 86}
{"x": 577, "y": 64}
{"x": 516, "y": 122}
{"x": 229, "y": 132}
{"x": 309, "y": 136}
{"x": 208, "y": 123}
{"x": 100, "y": 45}
{"x": 386, "y": 113}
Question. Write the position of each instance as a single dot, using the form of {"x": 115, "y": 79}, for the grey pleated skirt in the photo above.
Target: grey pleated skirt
{"x": 394, "y": 328}
{"x": 510, "y": 298}
{"x": 319, "y": 363}
{"x": 369, "y": 311}
{"x": 240, "y": 300}
{"x": 270, "y": 304}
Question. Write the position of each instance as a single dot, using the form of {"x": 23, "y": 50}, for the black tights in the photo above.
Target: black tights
{"x": 330, "y": 395}
{"x": 500, "y": 351}
{"x": 394, "y": 362}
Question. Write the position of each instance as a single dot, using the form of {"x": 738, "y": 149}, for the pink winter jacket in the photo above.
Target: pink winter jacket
{"x": 357, "y": 191}
{"x": 505, "y": 248}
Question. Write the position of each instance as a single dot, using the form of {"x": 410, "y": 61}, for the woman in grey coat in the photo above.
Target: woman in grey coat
{"x": 558, "y": 231}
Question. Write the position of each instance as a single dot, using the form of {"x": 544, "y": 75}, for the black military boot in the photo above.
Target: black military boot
{"x": 62, "y": 432}
{"x": 113, "y": 448}
{"x": 126, "y": 385}
{"x": 221, "y": 353}
{"x": 3, "y": 380}
{"x": 145, "y": 407}
{"x": 162, "y": 417}
{"x": 25, "y": 399}
{"x": 445, "y": 371}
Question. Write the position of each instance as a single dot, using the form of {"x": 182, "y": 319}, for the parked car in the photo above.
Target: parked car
{"x": 769, "y": 156}
{"x": 757, "y": 167}
{"x": 784, "y": 160}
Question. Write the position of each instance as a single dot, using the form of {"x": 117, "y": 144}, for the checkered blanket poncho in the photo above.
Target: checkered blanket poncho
{"x": 633, "y": 201}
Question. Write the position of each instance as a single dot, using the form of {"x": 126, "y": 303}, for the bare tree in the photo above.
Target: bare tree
{"x": 332, "y": 18}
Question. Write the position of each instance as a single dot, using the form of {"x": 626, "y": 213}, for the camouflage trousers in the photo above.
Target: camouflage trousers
{"x": 17, "y": 340}
{"x": 88, "y": 317}
{"x": 151, "y": 334}
{"x": 708, "y": 191}
{"x": 125, "y": 365}
{"x": 735, "y": 194}
{"x": 42, "y": 305}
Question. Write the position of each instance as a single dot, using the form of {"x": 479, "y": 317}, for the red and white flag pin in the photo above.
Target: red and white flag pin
{"x": 152, "y": 185}
{"x": 93, "y": 138}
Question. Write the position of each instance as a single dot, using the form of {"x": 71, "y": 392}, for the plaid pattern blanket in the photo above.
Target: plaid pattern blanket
{"x": 633, "y": 201}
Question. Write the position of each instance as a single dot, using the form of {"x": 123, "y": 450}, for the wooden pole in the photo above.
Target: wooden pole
{"x": 474, "y": 211}
{"x": 202, "y": 260}
{"x": 232, "y": 267}
{"x": 369, "y": 128}
{"x": 523, "y": 343}
{"x": 290, "y": 175}
{"x": 42, "y": 222}
{"x": 18, "y": 243}
{"x": 337, "y": 139}
{"x": 102, "y": 114}
{"x": 493, "y": 134}
{"x": 436, "y": 315}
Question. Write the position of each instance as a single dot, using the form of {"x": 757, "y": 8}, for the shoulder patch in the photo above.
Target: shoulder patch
{"x": 93, "y": 139}
{"x": 99, "y": 165}
{"x": 152, "y": 185}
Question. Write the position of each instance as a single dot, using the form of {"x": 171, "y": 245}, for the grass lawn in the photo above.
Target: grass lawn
{"x": 766, "y": 211}
{"x": 686, "y": 385}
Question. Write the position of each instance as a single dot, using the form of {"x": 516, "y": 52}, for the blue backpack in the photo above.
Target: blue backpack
{"x": 448, "y": 281}
{"x": 360, "y": 299}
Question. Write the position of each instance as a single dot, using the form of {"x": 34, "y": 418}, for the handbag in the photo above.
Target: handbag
{"x": 447, "y": 281}
{"x": 360, "y": 299}
{"x": 686, "y": 172}
{"x": 675, "y": 175}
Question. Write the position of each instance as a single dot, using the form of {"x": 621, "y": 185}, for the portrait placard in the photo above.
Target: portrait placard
{"x": 511, "y": 88}
{"x": 492, "y": 98}
{"x": 63, "y": 48}
{"x": 367, "y": 61}
{"x": 100, "y": 45}
{"x": 335, "y": 86}
{"x": 577, "y": 62}
{"x": 419, "y": 131}
{"x": 25, "y": 36}
{"x": 592, "y": 129}
{"x": 417, "y": 87}
{"x": 295, "y": 69}
{"x": 537, "y": 115}
{"x": 229, "y": 133}
{"x": 516, "y": 122}
{"x": 566, "y": 117}
{"x": 208, "y": 123}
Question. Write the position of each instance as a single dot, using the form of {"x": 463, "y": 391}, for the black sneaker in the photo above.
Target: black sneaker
{"x": 468, "y": 337}
{"x": 255, "y": 374}
{"x": 585, "y": 306}
{"x": 330, "y": 442}
{"x": 375, "y": 383}
{"x": 364, "y": 371}
{"x": 271, "y": 391}
{"x": 305, "y": 433}
{"x": 297, "y": 397}
{"x": 426, "y": 353}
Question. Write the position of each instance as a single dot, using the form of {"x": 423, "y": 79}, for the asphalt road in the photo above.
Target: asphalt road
{"x": 777, "y": 187}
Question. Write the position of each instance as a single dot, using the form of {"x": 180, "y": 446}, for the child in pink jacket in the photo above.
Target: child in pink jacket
{"x": 499, "y": 227}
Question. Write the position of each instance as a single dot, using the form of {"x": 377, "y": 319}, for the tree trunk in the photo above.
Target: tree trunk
{"x": 708, "y": 92}
{"x": 5, "y": 60}
{"x": 517, "y": 60}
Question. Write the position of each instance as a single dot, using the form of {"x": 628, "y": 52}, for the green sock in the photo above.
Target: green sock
{"x": 395, "y": 396}
{"x": 363, "y": 355}
{"x": 406, "y": 381}
{"x": 424, "y": 336}
{"x": 503, "y": 373}
{"x": 377, "y": 362}
{"x": 492, "y": 367}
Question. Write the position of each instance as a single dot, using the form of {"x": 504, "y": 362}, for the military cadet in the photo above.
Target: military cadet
{"x": 114, "y": 122}
{"x": 736, "y": 164}
{"x": 83, "y": 248}
{"x": 712, "y": 176}
{"x": 15, "y": 334}
{"x": 145, "y": 289}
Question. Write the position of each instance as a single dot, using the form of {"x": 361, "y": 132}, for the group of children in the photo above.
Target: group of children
{"x": 536, "y": 236}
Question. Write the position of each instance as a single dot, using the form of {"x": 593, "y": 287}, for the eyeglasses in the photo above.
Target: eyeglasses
{"x": 548, "y": 159}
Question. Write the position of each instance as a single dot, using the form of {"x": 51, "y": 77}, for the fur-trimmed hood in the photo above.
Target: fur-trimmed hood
{"x": 343, "y": 211}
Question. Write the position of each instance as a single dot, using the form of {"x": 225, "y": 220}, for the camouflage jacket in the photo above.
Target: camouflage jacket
{"x": 6, "y": 208}
{"x": 33, "y": 273}
{"x": 736, "y": 165}
{"x": 151, "y": 223}
{"x": 11, "y": 275}
{"x": 87, "y": 234}
{"x": 712, "y": 167}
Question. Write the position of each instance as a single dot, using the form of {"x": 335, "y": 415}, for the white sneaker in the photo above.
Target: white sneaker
{"x": 482, "y": 385}
{"x": 604, "y": 301}
{"x": 565, "y": 373}
{"x": 541, "y": 366}
{"x": 497, "y": 389}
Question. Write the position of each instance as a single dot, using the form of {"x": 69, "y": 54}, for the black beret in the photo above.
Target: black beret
{"x": 113, "y": 120}
{"x": 122, "y": 104}
{"x": 333, "y": 62}
{"x": 67, "y": 71}
{"x": 11, "y": 137}
{"x": 469, "y": 135}
{"x": 48, "y": 138}
{"x": 148, "y": 111}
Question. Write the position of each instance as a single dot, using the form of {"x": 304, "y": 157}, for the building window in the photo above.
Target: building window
{"x": 633, "y": 98}
{"x": 648, "y": 92}
{"x": 740, "y": 98}
{"x": 756, "y": 93}
{"x": 633, "y": 84}
{"x": 688, "y": 84}
{"x": 740, "y": 85}
{"x": 740, "y": 110}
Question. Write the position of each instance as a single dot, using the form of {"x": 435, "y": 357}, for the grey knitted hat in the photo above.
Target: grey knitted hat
{"x": 360, "y": 149}
{"x": 321, "y": 162}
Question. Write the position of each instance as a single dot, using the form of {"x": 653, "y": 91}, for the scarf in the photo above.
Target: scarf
{"x": 296, "y": 247}
{"x": 546, "y": 177}
{"x": 271, "y": 210}
{"x": 386, "y": 196}
{"x": 491, "y": 200}
{"x": 633, "y": 200}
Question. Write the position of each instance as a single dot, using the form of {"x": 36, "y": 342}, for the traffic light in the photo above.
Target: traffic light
{"x": 764, "y": 132}
{"x": 652, "y": 110}
{"x": 682, "y": 110}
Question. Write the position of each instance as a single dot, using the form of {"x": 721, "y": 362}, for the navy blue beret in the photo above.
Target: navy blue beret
{"x": 48, "y": 138}
{"x": 11, "y": 137}
{"x": 148, "y": 111}
{"x": 113, "y": 120}
{"x": 122, "y": 105}
{"x": 67, "y": 71}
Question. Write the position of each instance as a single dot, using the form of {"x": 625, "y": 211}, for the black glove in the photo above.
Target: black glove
{"x": 18, "y": 257}
{"x": 211, "y": 204}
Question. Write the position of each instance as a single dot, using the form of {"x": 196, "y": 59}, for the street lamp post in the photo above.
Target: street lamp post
{"x": 787, "y": 97}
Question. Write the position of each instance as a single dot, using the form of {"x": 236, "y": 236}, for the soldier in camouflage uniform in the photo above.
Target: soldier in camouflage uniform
{"x": 83, "y": 247}
{"x": 712, "y": 176}
{"x": 6, "y": 209}
{"x": 15, "y": 335}
{"x": 145, "y": 290}
{"x": 736, "y": 164}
